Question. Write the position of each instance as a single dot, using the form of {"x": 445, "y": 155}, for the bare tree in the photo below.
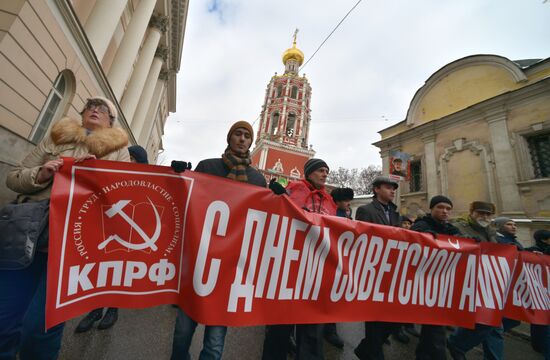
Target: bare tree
{"x": 360, "y": 180}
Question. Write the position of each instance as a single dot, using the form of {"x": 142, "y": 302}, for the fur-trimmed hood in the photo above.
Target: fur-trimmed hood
{"x": 99, "y": 142}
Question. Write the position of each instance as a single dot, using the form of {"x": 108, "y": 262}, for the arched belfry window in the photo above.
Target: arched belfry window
{"x": 279, "y": 90}
{"x": 274, "y": 123}
{"x": 55, "y": 106}
{"x": 294, "y": 93}
{"x": 290, "y": 124}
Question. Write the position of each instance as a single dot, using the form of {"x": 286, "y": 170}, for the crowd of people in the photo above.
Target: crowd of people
{"x": 23, "y": 291}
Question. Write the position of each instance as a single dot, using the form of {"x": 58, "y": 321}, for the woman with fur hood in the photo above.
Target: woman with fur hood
{"x": 23, "y": 295}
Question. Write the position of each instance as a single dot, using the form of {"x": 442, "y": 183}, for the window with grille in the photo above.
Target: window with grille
{"x": 49, "y": 110}
{"x": 294, "y": 93}
{"x": 415, "y": 176}
{"x": 539, "y": 149}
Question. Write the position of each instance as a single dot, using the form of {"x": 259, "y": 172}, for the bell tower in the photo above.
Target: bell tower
{"x": 282, "y": 146}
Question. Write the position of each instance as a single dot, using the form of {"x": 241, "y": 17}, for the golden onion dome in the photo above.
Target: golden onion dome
{"x": 293, "y": 53}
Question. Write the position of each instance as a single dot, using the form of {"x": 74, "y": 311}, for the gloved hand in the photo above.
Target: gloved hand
{"x": 277, "y": 188}
{"x": 475, "y": 238}
{"x": 180, "y": 166}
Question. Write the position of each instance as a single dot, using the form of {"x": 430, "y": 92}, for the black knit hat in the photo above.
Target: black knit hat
{"x": 440, "y": 199}
{"x": 404, "y": 218}
{"x": 313, "y": 164}
{"x": 540, "y": 235}
{"x": 342, "y": 194}
{"x": 138, "y": 153}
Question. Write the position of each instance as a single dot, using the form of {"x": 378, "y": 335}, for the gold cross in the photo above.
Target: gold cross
{"x": 295, "y": 35}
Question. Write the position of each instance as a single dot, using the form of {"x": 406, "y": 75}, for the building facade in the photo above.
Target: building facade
{"x": 479, "y": 129}
{"x": 282, "y": 148}
{"x": 57, "y": 53}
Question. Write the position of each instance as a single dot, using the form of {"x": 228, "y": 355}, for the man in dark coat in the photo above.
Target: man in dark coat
{"x": 382, "y": 211}
{"x": 235, "y": 165}
{"x": 431, "y": 345}
{"x": 343, "y": 197}
{"x": 506, "y": 231}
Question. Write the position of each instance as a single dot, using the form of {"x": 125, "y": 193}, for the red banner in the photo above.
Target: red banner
{"x": 496, "y": 267}
{"x": 529, "y": 296}
{"x": 228, "y": 253}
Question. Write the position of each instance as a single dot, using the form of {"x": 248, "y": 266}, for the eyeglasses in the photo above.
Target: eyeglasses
{"x": 100, "y": 107}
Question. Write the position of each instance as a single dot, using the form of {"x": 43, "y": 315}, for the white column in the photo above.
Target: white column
{"x": 120, "y": 69}
{"x": 505, "y": 165}
{"x": 101, "y": 24}
{"x": 141, "y": 69}
{"x": 385, "y": 155}
{"x": 430, "y": 163}
{"x": 150, "y": 113}
{"x": 145, "y": 99}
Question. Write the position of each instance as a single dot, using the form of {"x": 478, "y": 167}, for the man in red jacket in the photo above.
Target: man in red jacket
{"x": 310, "y": 195}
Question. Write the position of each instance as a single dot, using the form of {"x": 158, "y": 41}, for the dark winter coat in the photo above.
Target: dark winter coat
{"x": 429, "y": 225}
{"x": 342, "y": 213}
{"x": 504, "y": 238}
{"x": 217, "y": 167}
{"x": 374, "y": 213}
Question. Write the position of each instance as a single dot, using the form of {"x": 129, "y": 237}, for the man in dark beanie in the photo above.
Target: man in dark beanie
{"x": 138, "y": 154}
{"x": 433, "y": 337}
{"x": 310, "y": 195}
{"x": 234, "y": 164}
{"x": 381, "y": 211}
{"x": 542, "y": 242}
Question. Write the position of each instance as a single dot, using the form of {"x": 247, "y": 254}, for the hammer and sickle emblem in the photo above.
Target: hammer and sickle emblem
{"x": 149, "y": 242}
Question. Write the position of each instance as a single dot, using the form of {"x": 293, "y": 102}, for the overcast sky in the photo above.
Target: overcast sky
{"x": 362, "y": 79}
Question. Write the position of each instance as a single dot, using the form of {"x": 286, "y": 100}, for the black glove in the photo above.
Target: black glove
{"x": 180, "y": 166}
{"x": 475, "y": 238}
{"x": 277, "y": 188}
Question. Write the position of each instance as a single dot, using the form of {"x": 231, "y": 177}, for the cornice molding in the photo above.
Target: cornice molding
{"x": 512, "y": 68}
{"x": 489, "y": 110}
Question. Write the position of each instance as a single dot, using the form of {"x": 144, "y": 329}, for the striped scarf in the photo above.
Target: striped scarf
{"x": 237, "y": 165}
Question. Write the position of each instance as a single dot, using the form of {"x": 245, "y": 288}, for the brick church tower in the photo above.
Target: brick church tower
{"x": 282, "y": 141}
